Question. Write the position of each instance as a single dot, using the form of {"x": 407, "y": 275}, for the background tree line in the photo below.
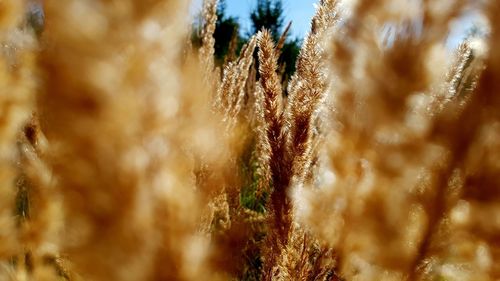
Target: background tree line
{"x": 267, "y": 14}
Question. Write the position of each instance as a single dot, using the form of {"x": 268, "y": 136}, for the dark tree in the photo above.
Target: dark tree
{"x": 226, "y": 28}
{"x": 269, "y": 14}
{"x": 289, "y": 55}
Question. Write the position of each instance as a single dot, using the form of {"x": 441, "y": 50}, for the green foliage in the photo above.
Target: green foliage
{"x": 255, "y": 191}
{"x": 226, "y": 28}
{"x": 268, "y": 14}
{"x": 289, "y": 55}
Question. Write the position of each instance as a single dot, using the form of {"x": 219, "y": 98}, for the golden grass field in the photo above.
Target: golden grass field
{"x": 128, "y": 154}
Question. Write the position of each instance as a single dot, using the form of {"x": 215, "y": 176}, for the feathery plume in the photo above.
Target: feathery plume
{"x": 308, "y": 88}
{"x": 128, "y": 196}
{"x": 231, "y": 92}
{"x": 271, "y": 88}
{"x": 207, "y": 49}
{"x": 384, "y": 202}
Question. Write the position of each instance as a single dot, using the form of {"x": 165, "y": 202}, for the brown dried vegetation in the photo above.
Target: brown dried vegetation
{"x": 125, "y": 154}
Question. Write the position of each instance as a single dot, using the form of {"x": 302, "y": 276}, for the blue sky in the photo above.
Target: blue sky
{"x": 299, "y": 12}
